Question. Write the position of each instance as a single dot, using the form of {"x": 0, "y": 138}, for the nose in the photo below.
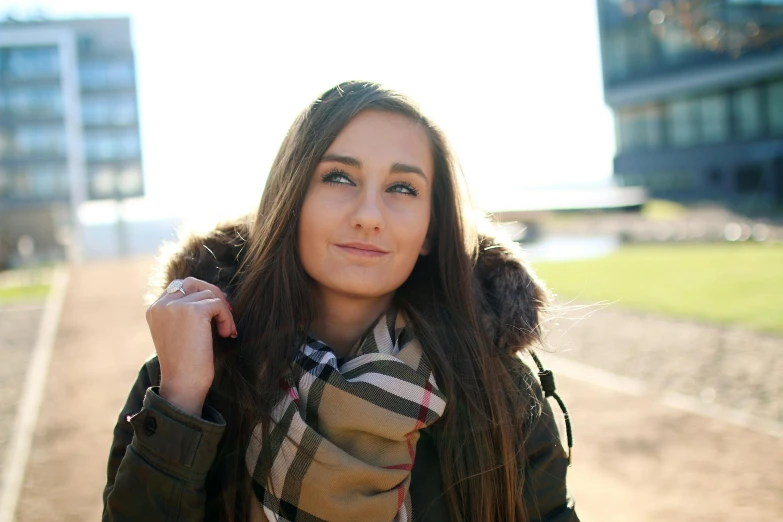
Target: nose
{"x": 368, "y": 214}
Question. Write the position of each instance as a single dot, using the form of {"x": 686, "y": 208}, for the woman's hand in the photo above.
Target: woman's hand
{"x": 181, "y": 328}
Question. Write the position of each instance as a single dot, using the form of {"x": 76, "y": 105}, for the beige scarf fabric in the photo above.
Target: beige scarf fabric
{"x": 343, "y": 437}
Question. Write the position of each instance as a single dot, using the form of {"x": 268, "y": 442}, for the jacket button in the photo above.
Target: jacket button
{"x": 150, "y": 425}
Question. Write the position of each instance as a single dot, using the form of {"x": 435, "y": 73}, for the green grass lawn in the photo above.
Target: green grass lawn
{"x": 738, "y": 284}
{"x": 16, "y": 294}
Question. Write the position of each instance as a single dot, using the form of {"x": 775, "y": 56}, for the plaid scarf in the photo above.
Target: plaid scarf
{"x": 343, "y": 438}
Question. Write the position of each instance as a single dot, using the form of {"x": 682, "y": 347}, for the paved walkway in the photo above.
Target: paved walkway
{"x": 634, "y": 459}
{"x": 18, "y": 331}
{"x": 102, "y": 341}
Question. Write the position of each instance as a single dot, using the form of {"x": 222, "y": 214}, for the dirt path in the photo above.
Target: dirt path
{"x": 724, "y": 366}
{"x": 633, "y": 460}
{"x": 636, "y": 460}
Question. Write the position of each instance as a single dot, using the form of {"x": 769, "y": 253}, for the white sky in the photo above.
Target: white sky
{"x": 515, "y": 85}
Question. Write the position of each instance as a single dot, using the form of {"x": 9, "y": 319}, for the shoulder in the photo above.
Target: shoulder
{"x": 546, "y": 459}
{"x": 540, "y": 423}
{"x": 526, "y": 386}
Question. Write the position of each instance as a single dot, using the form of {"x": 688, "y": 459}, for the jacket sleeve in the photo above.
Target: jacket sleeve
{"x": 545, "y": 492}
{"x": 159, "y": 457}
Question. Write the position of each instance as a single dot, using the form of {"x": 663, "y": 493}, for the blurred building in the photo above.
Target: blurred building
{"x": 696, "y": 87}
{"x": 68, "y": 128}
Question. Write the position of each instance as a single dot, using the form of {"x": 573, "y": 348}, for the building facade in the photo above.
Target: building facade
{"x": 69, "y": 128}
{"x": 696, "y": 88}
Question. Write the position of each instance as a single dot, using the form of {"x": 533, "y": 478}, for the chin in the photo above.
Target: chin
{"x": 364, "y": 292}
{"x": 360, "y": 289}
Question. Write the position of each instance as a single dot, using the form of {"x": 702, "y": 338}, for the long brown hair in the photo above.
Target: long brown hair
{"x": 480, "y": 436}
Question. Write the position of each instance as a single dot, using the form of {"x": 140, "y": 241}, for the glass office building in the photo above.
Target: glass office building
{"x": 696, "y": 88}
{"x": 68, "y": 125}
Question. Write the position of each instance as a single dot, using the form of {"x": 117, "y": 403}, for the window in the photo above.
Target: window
{"x": 102, "y": 183}
{"x": 39, "y": 181}
{"x": 91, "y": 76}
{"x": 631, "y": 179}
{"x": 129, "y": 182}
{"x": 670, "y": 181}
{"x": 40, "y": 139}
{"x": 120, "y": 74}
{"x": 99, "y": 146}
{"x": 109, "y": 110}
{"x": 652, "y": 125}
{"x": 32, "y": 62}
{"x": 129, "y": 145}
{"x": 5, "y": 182}
{"x": 34, "y": 101}
{"x": 106, "y": 74}
{"x": 681, "y": 123}
{"x": 112, "y": 181}
{"x": 747, "y": 112}
{"x": 20, "y": 185}
{"x": 615, "y": 55}
{"x": 639, "y": 128}
{"x": 6, "y": 142}
{"x": 775, "y": 107}
{"x": 677, "y": 45}
{"x": 111, "y": 144}
{"x": 48, "y": 181}
{"x": 629, "y": 131}
{"x": 714, "y": 115}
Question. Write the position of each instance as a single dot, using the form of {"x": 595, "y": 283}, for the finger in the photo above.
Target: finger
{"x": 167, "y": 296}
{"x": 191, "y": 285}
{"x": 218, "y": 310}
{"x": 203, "y": 285}
{"x": 209, "y": 295}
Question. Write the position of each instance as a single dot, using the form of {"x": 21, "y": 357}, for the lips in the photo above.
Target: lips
{"x": 362, "y": 249}
{"x": 363, "y": 246}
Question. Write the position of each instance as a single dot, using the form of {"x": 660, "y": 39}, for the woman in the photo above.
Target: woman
{"x": 348, "y": 354}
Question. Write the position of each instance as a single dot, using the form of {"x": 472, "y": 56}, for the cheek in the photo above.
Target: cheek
{"x": 410, "y": 231}
{"x": 310, "y": 232}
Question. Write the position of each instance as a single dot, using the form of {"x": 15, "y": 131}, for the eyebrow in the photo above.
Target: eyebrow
{"x": 396, "y": 168}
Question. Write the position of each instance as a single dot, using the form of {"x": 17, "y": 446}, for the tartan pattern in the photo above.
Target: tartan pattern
{"x": 343, "y": 438}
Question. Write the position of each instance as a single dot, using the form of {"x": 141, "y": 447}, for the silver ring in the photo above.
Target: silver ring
{"x": 175, "y": 286}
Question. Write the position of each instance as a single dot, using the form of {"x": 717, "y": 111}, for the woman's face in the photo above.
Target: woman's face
{"x": 366, "y": 213}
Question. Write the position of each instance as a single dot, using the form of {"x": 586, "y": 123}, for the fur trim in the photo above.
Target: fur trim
{"x": 212, "y": 256}
{"x": 513, "y": 296}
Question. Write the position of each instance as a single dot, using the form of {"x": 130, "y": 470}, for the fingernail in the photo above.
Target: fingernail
{"x": 229, "y": 306}
{"x": 234, "y": 334}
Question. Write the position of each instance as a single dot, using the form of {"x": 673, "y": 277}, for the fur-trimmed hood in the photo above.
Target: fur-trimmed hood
{"x": 514, "y": 295}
